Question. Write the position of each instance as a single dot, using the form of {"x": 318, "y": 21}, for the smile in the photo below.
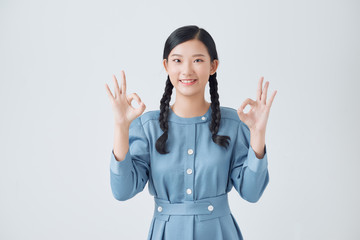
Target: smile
{"x": 188, "y": 81}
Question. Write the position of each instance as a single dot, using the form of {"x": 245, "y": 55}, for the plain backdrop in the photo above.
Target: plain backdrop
{"x": 56, "y": 131}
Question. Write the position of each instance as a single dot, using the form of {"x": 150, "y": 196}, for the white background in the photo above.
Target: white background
{"x": 56, "y": 131}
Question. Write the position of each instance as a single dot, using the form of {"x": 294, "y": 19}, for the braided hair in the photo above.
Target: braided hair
{"x": 216, "y": 114}
{"x": 163, "y": 118}
{"x": 181, "y": 35}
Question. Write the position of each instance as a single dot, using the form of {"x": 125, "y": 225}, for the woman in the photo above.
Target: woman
{"x": 193, "y": 152}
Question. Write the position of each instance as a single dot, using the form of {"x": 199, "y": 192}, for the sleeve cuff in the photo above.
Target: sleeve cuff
{"x": 121, "y": 167}
{"x": 255, "y": 164}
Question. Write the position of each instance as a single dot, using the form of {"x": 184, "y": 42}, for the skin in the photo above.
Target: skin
{"x": 190, "y": 100}
{"x": 257, "y": 117}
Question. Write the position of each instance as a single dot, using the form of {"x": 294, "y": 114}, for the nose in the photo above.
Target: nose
{"x": 187, "y": 70}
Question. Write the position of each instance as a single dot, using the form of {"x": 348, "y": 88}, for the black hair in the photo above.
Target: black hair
{"x": 177, "y": 37}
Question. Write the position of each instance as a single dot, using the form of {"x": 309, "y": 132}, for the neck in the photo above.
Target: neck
{"x": 187, "y": 107}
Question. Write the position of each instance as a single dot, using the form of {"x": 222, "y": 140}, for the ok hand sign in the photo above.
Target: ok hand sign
{"x": 124, "y": 113}
{"x": 258, "y": 115}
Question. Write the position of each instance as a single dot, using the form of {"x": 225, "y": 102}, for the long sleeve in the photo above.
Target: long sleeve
{"x": 249, "y": 175}
{"x": 129, "y": 176}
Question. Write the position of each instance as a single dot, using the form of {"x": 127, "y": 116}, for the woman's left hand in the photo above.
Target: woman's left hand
{"x": 258, "y": 115}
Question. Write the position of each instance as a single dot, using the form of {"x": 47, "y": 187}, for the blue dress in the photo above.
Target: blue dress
{"x": 190, "y": 184}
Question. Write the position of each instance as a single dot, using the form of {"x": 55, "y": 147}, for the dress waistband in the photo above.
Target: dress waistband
{"x": 206, "y": 208}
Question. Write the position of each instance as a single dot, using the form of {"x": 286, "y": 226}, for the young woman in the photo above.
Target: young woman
{"x": 193, "y": 152}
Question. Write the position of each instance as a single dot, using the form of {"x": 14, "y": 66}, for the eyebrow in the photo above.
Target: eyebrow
{"x": 195, "y": 55}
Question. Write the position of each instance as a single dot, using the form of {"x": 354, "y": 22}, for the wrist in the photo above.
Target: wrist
{"x": 257, "y": 142}
{"x": 122, "y": 126}
{"x": 257, "y": 133}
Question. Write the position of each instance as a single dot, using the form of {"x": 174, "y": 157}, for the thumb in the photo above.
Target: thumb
{"x": 241, "y": 114}
{"x": 140, "y": 109}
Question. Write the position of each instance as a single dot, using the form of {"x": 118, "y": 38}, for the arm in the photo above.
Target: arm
{"x": 121, "y": 141}
{"x": 130, "y": 161}
{"x": 249, "y": 174}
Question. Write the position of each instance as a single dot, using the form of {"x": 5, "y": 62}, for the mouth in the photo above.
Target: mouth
{"x": 188, "y": 81}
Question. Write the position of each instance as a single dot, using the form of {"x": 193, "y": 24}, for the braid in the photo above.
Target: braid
{"x": 163, "y": 118}
{"x": 216, "y": 114}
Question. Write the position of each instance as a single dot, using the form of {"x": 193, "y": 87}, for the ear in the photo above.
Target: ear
{"x": 165, "y": 64}
{"x": 214, "y": 66}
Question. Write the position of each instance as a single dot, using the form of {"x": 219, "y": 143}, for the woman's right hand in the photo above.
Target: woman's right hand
{"x": 124, "y": 113}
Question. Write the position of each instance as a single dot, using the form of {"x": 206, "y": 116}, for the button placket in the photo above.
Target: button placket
{"x": 189, "y": 163}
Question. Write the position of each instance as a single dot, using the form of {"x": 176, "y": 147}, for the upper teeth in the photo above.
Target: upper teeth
{"x": 187, "y": 81}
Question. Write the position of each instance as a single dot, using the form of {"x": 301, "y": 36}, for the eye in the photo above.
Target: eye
{"x": 175, "y": 60}
{"x": 199, "y": 60}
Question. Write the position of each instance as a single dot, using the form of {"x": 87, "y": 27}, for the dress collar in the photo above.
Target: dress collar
{"x": 200, "y": 119}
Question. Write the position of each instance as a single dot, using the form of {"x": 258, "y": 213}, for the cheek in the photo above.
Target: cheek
{"x": 204, "y": 73}
{"x": 173, "y": 70}
{"x": 202, "y": 69}
{"x": 173, "y": 81}
{"x": 173, "y": 77}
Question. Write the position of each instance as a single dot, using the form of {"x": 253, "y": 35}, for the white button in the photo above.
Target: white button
{"x": 188, "y": 191}
{"x": 203, "y": 118}
{"x": 159, "y": 209}
{"x": 190, "y": 151}
{"x": 189, "y": 171}
{"x": 210, "y": 208}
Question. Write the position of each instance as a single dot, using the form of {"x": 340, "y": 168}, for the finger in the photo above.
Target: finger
{"x": 241, "y": 114}
{"x": 123, "y": 82}
{"x": 264, "y": 93}
{"x": 259, "y": 89}
{"x": 134, "y": 96}
{"x": 111, "y": 97}
{"x": 271, "y": 99}
{"x": 240, "y": 110}
{"x": 245, "y": 103}
{"x": 142, "y": 107}
{"x": 117, "y": 89}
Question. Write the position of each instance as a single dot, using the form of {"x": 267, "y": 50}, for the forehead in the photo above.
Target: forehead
{"x": 190, "y": 48}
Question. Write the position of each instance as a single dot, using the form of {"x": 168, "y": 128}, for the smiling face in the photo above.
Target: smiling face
{"x": 189, "y": 67}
